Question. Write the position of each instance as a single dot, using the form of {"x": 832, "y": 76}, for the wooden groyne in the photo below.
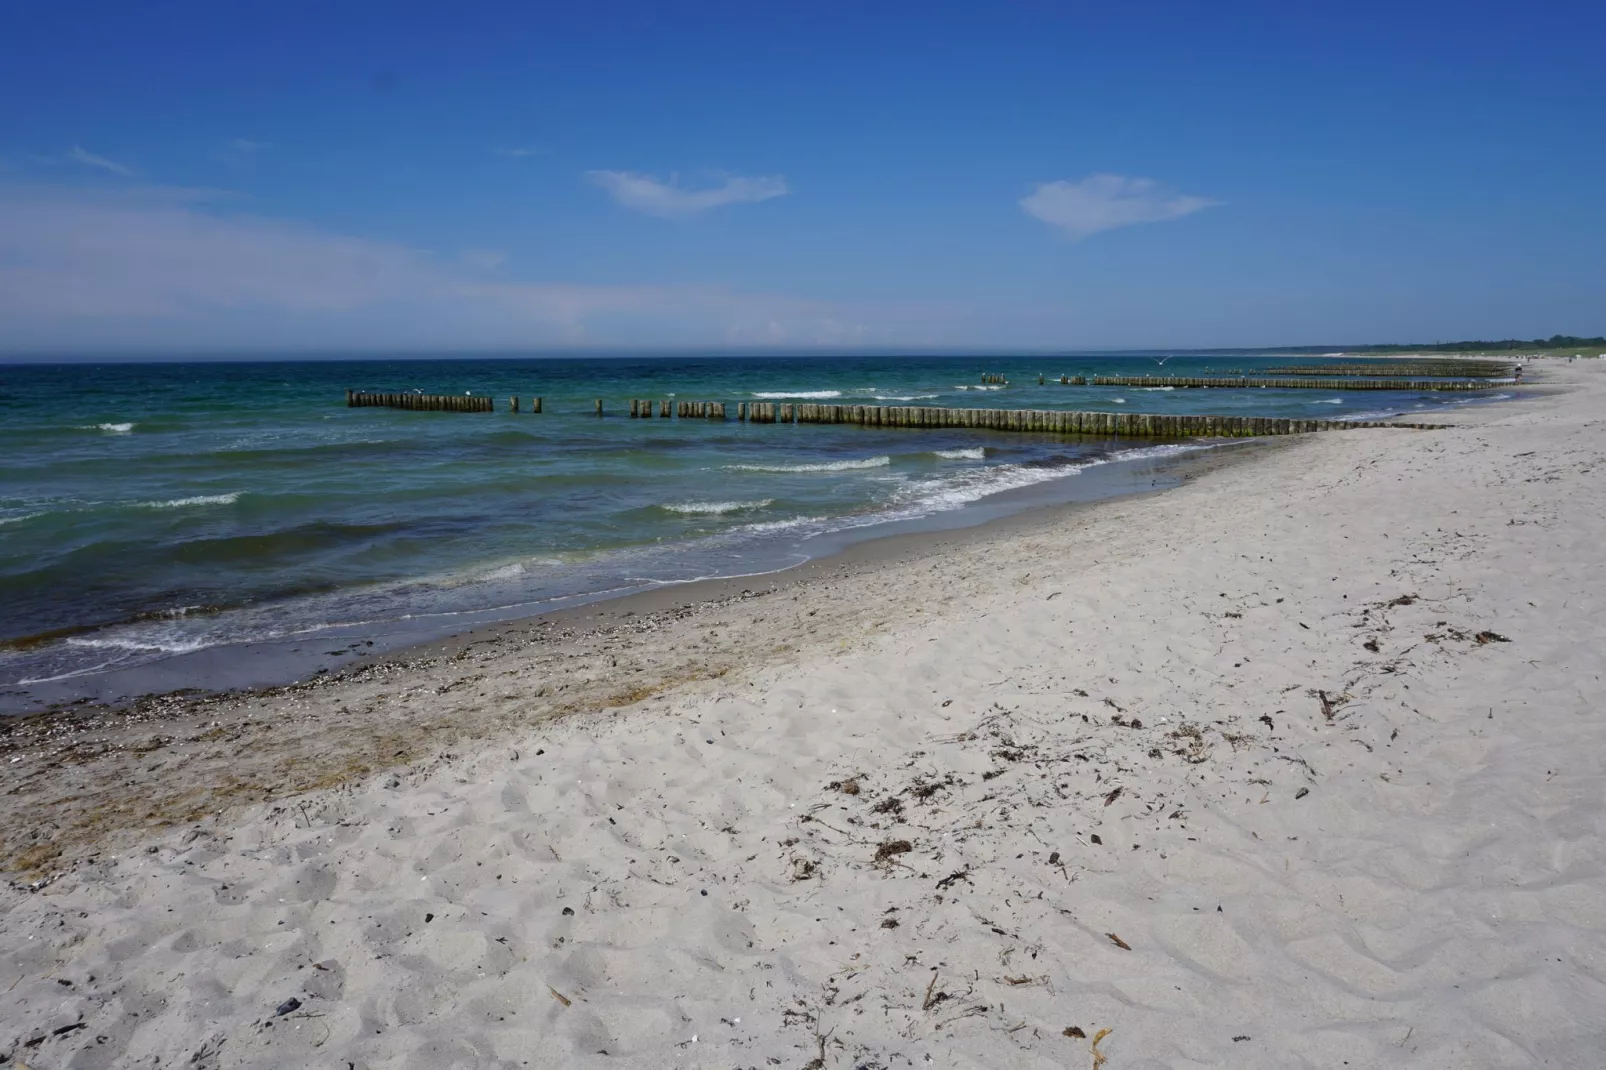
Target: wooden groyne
{"x": 1053, "y": 421}
{"x": 701, "y": 410}
{"x": 642, "y": 409}
{"x": 424, "y": 402}
{"x": 1407, "y": 371}
{"x": 1043, "y": 421}
{"x": 1293, "y": 383}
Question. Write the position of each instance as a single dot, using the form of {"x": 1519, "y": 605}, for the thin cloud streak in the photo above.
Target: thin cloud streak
{"x": 670, "y": 200}
{"x": 1106, "y": 202}
{"x": 81, "y": 155}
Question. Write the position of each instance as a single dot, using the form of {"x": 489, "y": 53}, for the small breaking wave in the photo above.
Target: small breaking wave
{"x": 805, "y": 394}
{"x": 1329, "y": 401}
{"x": 904, "y": 397}
{"x": 200, "y": 499}
{"x": 163, "y": 644}
{"x": 715, "y": 508}
{"x": 1156, "y": 388}
{"x": 768, "y": 526}
{"x": 979, "y": 453}
{"x": 981, "y": 386}
{"x": 823, "y": 466}
{"x": 110, "y": 429}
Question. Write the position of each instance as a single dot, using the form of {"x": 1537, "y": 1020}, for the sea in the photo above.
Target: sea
{"x": 149, "y": 511}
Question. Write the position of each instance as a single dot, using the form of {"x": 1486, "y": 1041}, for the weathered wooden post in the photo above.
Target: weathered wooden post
{"x": 599, "y": 406}
{"x": 513, "y": 404}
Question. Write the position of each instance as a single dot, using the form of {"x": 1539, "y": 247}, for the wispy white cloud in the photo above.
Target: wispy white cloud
{"x": 518, "y": 153}
{"x": 483, "y": 259}
{"x": 245, "y": 146}
{"x": 176, "y": 267}
{"x": 81, "y": 155}
{"x": 644, "y": 193}
{"x": 1105, "y": 202}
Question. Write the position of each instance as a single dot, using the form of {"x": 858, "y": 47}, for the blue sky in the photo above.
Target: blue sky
{"x": 180, "y": 176}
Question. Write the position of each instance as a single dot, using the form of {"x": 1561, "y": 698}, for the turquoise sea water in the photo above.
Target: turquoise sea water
{"x": 148, "y": 510}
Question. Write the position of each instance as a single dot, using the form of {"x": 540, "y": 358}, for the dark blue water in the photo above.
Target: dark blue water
{"x": 154, "y": 509}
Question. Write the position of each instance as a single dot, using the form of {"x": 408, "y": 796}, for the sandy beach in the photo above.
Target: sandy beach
{"x": 1298, "y": 764}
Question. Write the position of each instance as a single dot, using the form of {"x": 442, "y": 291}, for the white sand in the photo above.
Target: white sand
{"x": 1412, "y": 878}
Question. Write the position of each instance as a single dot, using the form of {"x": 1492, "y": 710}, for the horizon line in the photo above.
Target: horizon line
{"x": 167, "y": 355}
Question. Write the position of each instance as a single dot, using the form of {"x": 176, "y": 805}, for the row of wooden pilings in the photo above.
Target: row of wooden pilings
{"x": 1052, "y": 421}
{"x": 1299, "y": 383}
{"x": 642, "y": 408}
{"x": 1406, "y": 371}
{"x": 423, "y": 402}
{"x": 1049, "y": 421}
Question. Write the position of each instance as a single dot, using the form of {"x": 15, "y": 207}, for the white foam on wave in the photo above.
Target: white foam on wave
{"x": 960, "y": 487}
{"x": 978, "y": 483}
{"x": 805, "y": 394}
{"x": 199, "y": 499}
{"x": 904, "y": 397}
{"x": 1156, "y": 388}
{"x": 1329, "y": 401}
{"x": 1149, "y": 453}
{"x": 715, "y": 508}
{"x": 980, "y": 386}
{"x": 137, "y": 642}
{"x": 1120, "y": 401}
{"x": 86, "y": 671}
{"x": 976, "y": 454}
{"x": 113, "y": 429}
{"x": 1362, "y": 417}
{"x": 766, "y": 526}
{"x": 822, "y": 466}
{"x": 18, "y": 519}
{"x": 925, "y": 496}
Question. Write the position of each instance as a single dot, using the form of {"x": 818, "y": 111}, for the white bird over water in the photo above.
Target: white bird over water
{"x": 1160, "y": 360}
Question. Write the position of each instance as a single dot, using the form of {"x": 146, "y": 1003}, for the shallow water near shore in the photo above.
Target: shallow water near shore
{"x": 190, "y": 513}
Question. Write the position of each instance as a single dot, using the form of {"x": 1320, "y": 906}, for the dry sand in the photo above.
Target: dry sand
{"x": 1297, "y": 765}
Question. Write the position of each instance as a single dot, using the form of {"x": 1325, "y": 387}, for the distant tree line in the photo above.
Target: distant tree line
{"x": 1555, "y": 341}
{"x": 1507, "y": 345}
